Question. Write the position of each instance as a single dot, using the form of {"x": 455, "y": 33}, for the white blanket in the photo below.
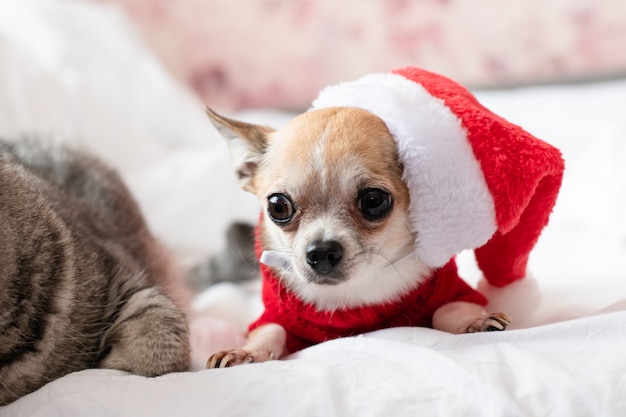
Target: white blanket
{"x": 82, "y": 72}
{"x": 566, "y": 369}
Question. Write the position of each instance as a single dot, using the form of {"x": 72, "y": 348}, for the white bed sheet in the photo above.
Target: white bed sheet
{"x": 563, "y": 357}
{"x": 564, "y": 369}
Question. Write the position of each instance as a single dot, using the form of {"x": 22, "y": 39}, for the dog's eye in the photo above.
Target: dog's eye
{"x": 374, "y": 203}
{"x": 280, "y": 208}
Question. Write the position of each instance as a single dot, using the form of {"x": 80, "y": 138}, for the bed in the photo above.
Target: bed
{"x": 563, "y": 356}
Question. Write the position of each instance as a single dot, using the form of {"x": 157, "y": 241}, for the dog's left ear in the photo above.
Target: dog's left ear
{"x": 246, "y": 143}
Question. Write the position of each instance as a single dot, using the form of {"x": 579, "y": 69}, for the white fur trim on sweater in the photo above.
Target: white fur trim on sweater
{"x": 451, "y": 207}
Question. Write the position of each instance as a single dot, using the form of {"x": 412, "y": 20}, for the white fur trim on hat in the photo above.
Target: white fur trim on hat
{"x": 451, "y": 208}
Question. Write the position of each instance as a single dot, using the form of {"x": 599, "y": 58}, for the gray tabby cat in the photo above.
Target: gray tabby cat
{"x": 236, "y": 262}
{"x": 82, "y": 280}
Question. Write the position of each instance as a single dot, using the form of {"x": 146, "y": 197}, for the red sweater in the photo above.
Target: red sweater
{"x": 306, "y": 326}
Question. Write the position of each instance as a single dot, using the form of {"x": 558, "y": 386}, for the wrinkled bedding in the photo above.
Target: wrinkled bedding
{"x": 564, "y": 369}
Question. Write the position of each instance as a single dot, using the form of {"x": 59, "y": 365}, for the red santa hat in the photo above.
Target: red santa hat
{"x": 475, "y": 180}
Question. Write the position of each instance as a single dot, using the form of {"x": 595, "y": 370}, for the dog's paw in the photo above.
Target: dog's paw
{"x": 490, "y": 323}
{"x": 228, "y": 358}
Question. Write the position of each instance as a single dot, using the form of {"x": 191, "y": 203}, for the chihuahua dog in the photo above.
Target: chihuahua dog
{"x": 335, "y": 232}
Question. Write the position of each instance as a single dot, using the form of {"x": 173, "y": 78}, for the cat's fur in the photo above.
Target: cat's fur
{"x": 82, "y": 280}
{"x": 236, "y": 262}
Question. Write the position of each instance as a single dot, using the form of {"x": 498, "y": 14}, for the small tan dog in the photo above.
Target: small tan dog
{"x": 335, "y": 231}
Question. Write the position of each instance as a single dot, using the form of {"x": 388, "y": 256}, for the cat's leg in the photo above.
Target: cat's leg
{"x": 150, "y": 336}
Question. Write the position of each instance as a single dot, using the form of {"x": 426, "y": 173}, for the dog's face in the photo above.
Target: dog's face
{"x": 335, "y": 204}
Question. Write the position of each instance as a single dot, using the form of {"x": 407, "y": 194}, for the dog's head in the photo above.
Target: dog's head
{"x": 335, "y": 204}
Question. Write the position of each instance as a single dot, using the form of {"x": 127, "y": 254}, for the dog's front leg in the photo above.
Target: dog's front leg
{"x": 462, "y": 317}
{"x": 265, "y": 343}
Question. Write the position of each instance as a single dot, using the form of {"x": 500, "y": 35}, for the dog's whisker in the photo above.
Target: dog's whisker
{"x": 408, "y": 281}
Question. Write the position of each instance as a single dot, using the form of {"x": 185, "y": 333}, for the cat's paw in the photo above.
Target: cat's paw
{"x": 228, "y": 358}
{"x": 490, "y": 323}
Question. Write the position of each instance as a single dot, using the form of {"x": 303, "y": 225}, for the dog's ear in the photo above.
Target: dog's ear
{"x": 246, "y": 143}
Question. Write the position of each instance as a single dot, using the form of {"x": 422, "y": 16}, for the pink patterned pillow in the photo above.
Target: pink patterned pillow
{"x": 280, "y": 53}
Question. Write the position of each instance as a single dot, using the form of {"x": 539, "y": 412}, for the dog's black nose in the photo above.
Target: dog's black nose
{"x": 323, "y": 256}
